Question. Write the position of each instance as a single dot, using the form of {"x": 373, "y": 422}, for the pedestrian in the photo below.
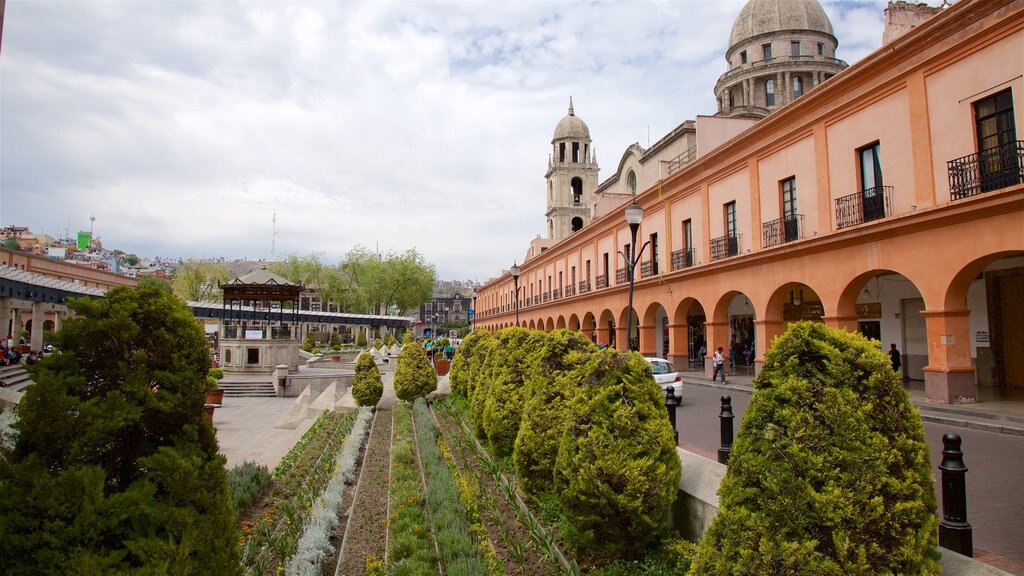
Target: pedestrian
{"x": 894, "y": 356}
{"x": 718, "y": 365}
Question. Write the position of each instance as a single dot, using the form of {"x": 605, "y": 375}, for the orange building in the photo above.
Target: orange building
{"x": 886, "y": 200}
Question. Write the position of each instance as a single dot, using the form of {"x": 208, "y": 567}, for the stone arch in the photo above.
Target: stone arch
{"x": 794, "y": 299}
{"x": 655, "y": 335}
{"x": 606, "y": 328}
{"x": 589, "y": 326}
{"x": 688, "y": 334}
{"x": 736, "y": 326}
{"x": 622, "y": 339}
{"x": 560, "y": 323}
{"x": 549, "y": 326}
{"x": 532, "y": 325}
{"x": 574, "y": 322}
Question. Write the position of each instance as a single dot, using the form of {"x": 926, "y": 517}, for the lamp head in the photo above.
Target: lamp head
{"x": 634, "y": 214}
{"x": 514, "y": 270}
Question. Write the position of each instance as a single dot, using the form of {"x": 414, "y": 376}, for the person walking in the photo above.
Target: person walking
{"x": 718, "y": 365}
{"x": 894, "y": 356}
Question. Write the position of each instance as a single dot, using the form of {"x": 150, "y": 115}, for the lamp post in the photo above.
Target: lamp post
{"x": 472, "y": 320}
{"x": 515, "y": 280}
{"x": 634, "y": 215}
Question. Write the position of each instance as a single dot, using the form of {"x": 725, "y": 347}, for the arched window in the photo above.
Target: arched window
{"x": 577, "y": 190}
{"x": 631, "y": 183}
{"x": 769, "y": 93}
{"x": 577, "y": 223}
{"x": 798, "y": 87}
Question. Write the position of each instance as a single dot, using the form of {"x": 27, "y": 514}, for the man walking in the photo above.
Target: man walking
{"x": 718, "y": 363}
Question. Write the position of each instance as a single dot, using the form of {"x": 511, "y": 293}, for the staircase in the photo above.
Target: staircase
{"x": 15, "y": 377}
{"x": 247, "y": 389}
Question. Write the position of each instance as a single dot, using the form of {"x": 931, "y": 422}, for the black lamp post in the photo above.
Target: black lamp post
{"x": 515, "y": 281}
{"x": 634, "y": 215}
{"x": 472, "y": 320}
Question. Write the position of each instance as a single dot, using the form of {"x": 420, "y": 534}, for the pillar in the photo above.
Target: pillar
{"x": 15, "y": 325}
{"x": 602, "y": 336}
{"x": 848, "y": 323}
{"x": 765, "y": 331}
{"x": 621, "y": 338}
{"x": 949, "y": 376}
{"x": 786, "y": 88}
{"x": 648, "y": 340}
{"x": 36, "y": 337}
{"x": 5, "y": 316}
{"x": 717, "y": 335}
{"x": 679, "y": 345}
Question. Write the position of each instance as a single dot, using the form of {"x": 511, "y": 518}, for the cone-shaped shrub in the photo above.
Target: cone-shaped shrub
{"x": 414, "y": 376}
{"x": 503, "y": 408}
{"x": 462, "y": 375}
{"x": 367, "y": 386}
{"x": 829, "y": 473}
{"x": 309, "y": 343}
{"x": 481, "y": 377}
{"x": 545, "y": 411}
{"x": 361, "y": 339}
{"x": 617, "y": 470}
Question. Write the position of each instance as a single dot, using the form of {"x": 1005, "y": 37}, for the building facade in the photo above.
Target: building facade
{"x": 887, "y": 200}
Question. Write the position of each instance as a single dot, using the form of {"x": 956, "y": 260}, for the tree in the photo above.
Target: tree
{"x": 829, "y": 473}
{"x": 376, "y": 283}
{"x": 115, "y": 468}
{"x": 503, "y": 408}
{"x": 313, "y": 274}
{"x": 11, "y": 244}
{"x": 617, "y": 470}
{"x": 414, "y": 375}
{"x": 197, "y": 281}
{"x": 367, "y": 387}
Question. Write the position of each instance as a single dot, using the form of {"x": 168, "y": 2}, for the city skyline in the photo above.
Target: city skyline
{"x": 227, "y": 129}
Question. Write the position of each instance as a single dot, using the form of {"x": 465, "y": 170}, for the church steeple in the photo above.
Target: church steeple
{"x": 572, "y": 177}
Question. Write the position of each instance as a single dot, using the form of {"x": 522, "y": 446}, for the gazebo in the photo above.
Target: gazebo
{"x": 260, "y": 323}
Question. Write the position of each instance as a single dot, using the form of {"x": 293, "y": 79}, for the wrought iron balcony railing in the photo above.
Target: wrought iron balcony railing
{"x": 648, "y": 268}
{"x": 864, "y": 206}
{"x": 570, "y": 290}
{"x": 547, "y": 296}
{"x": 556, "y": 294}
{"x": 584, "y": 287}
{"x": 536, "y": 299}
{"x": 782, "y": 230}
{"x": 724, "y": 246}
{"x": 989, "y": 170}
{"x": 602, "y": 282}
{"x": 621, "y": 277}
{"x": 682, "y": 259}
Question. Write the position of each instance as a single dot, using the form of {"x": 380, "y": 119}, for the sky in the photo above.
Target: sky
{"x": 209, "y": 129}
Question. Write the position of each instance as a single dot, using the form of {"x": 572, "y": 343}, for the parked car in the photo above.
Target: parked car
{"x": 665, "y": 374}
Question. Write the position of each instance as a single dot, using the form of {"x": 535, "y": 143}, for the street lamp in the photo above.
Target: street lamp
{"x": 515, "y": 281}
{"x": 634, "y": 215}
{"x": 472, "y": 320}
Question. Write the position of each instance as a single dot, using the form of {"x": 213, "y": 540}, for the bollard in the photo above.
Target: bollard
{"x": 671, "y": 402}
{"x": 954, "y": 531}
{"x": 725, "y": 418}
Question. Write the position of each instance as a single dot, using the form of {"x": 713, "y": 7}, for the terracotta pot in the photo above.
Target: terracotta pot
{"x": 208, "y": 412}
{"x": 442, "y": 366}
{"x": 215, "y": 397}
{"x": 335, "y": 358}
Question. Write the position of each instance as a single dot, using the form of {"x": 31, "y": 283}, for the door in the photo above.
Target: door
{"x": 998, "y": 164}
{"x": 915, "y": 339}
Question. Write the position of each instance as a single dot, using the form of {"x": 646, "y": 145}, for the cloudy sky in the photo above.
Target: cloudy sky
{"x": 185, "y": 126}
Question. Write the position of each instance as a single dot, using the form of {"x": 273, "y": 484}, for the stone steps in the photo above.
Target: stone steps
{"x": 248, "y": 389}
{"x": 15, "y": 377}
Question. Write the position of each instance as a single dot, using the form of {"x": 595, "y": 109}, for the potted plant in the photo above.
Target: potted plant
{"x": 214, "y": 394}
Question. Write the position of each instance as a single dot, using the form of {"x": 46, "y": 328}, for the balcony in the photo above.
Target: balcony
{"x": 782, "y": 230}
{"x": 989, "y": 170}
{"x": 648, "y": 268}
{"x": 864, "y": 206}
{"x": 621, "y": 276}
{"x": 724, "y": 246}
{"x": 547, "y": 296}
{"x": 584, "y": 287}
{"x": 556, "y": 294}
{"x": 570, "y": 290}
{"x": 682, "y": 259}
{"x": 602, "y": 282}
{"x": 536, "y": 300}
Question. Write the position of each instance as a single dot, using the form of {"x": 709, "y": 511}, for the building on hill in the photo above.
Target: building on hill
{"x": 886, "y": 199}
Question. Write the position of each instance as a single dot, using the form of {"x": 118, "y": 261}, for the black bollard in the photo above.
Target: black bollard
{"x": 954, "y": 531}
{"x": 725, "y": 418}
{"x": 671, "y": 403}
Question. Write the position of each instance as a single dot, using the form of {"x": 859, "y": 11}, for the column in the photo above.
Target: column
{"x": 602, "y": 336}
{"x": 15, "y": 325}
{"x": 848, "y": 323}
{"x": 621, "y": 338}
{"x": 5, "y": 316}
{"x": 648, "y": 341}
{"x": 786, "y": 89}
{"x": 679, "y": 345}
{"x": 36, "y": 337}
{"x": 949, "y": 376}
{"x": 765, "y": 331}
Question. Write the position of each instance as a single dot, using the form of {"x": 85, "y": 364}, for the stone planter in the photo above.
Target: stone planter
{"x": 215, "y": 397}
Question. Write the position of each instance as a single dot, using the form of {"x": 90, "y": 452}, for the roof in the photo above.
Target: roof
{"x": 31, "y": 278}
{"x": 571, "y": 126}
{"x": 767, "y": 16}
{"x": 261, "y": 276}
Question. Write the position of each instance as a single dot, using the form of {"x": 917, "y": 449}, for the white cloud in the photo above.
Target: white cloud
{"x": 186, "y": 127}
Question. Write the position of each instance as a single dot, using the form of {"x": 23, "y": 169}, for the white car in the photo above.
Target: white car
{"x": 665, "y": 374}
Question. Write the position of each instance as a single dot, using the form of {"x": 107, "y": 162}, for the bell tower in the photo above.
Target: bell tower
{"x": 571, "y": 177}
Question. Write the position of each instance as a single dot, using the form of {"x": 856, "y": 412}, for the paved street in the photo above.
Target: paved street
{"x": 995, "y": 465}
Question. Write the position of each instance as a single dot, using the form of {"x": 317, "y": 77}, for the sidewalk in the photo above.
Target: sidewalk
{"x": 1002, "y": 413}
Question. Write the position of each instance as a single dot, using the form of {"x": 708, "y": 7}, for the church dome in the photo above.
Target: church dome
{"x": 571, "y": 126}
{"x": 767, "y": 16}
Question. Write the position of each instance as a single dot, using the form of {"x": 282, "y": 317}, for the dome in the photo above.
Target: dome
{"x": 571, "y": 127}
{"x": 767, "y": 16}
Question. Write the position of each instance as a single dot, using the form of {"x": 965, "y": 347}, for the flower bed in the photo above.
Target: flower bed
{"x": 366, "y": 531}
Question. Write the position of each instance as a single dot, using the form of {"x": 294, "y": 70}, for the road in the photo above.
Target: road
{"x": 995, "y": 465}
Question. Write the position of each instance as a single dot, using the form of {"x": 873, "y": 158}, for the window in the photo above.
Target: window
{"x": 587, "y": 278}
{"x": 743, "y": 57}
{"x": 769, "y": 92}
{"x": 253, "y": 356}
{"x": 994, "y": 120}
{"x": 766, "y": 50}
{"x": 227, "y": 355}
{"x": 870, "y": 167}
{"x": 687, "y": 234}
{"x": 575, "y": 151}
{"x": 605, "y": 268}
{"x": 654, "y": 253}
{"x": 798, "y": 87}
{"x": 561, "y": 152}
{"x": 730, "y": 219}
{"x": 577, "y": 190}
{"x": 790, "y": 222}
{"x": 821, "y": 49}
{"x": 631, "y": 183}
{"x": 794, "y": 48}
{"x": 572, "y": 277}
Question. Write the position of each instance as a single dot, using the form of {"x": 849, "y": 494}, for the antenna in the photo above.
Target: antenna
{"x": 273, "y": 236}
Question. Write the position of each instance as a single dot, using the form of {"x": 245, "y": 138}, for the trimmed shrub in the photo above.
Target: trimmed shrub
{"x": 335, "y": 343}
{"x": 361, "y": 339}
{"x": 309, "y": 343}
{"x": 414, "y": 375}
{"x": 830, "y": 472}
{"x": 617, "y": 471}
{"x": 462, "y": 375}
{"x": 367, "y": 387}
{"x": 480, "y": 382}
{"x": 548, "y": 392}
{"x": 503, "y": 407}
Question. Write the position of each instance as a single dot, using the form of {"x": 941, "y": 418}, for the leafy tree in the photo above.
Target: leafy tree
{"x": 503, "y": 408}
{"x": 829, "y": 474}
{"x": 314, "y": 275}
{"x": 309, "y": 343}
{"x": 549, "y": 390}
{"x": 197, "y": 281}
{"x": 376, "y": 283}
{"x": 115, "y": 469}
{"x": 414, "y": 375}
{"x": 156, "y": 283}
{"x": 367, "y": 387}
{"x": 11, "y": 244}
{"x": 131, "y": 259}
{"x": 617, "y": 470}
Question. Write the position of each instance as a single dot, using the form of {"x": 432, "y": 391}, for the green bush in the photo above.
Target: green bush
{"x": 617, "y": 470}
{"x": 115, "y": 469}
{"x": 829, "y": 473}
{"x": 389, "y": 340}
{"x": 245, "y": 483}
{"x": 217, "y": 373}
{"x": 479, "y": 374}
{"x": 548, "y": 392}
{"x": 462, "y": 374}
{"x": 503, "y": 408}
{"x": 361, "y": 339}
{"x": 414, "y": 375}
{"x": 367, "y": 386}
{"x": 309, "y": 343}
